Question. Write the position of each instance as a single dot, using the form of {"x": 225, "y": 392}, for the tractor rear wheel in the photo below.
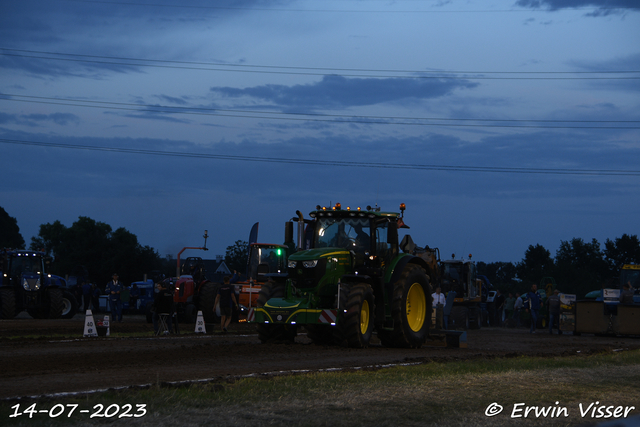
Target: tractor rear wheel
{"x": 55, "y": 304}
{"x": 410, "y": 309}
{"x": 269, "y": 332}
{"x": 190, "y": 313}
{"x": 7, "y": 303}
{"x": 358, "y": 319}
{"x": 69, "y": 305}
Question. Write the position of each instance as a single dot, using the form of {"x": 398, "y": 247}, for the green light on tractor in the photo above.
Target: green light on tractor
{"x": 279, "y": 252}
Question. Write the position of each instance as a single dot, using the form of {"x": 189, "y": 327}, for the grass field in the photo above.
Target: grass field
{"x": 431, "y": 394}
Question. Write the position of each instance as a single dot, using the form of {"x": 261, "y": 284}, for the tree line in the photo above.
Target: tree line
{"x": 578, "y": 267}
{"x": 93, "y": 251}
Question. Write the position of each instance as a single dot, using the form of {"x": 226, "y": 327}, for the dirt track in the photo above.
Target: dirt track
{"x": 41, "y": 364}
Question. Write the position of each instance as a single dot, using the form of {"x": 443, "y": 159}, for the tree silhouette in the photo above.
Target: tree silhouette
{"x": 10, "y": 236}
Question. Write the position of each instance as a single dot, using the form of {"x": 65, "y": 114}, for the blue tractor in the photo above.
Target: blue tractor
{"x": 24, "y": 285}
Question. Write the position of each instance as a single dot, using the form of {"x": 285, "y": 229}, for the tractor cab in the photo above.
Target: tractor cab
{"x": 194, "y": 267}
{"x": 265, "y": 259}
{"x": 459, "y": 276}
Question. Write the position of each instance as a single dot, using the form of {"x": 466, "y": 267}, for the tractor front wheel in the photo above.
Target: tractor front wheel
{"x": 7, "y": 303}
{"x": 358, "y": 319}
{"x": 55, "y": 303}
{"x": 270, "y": 332}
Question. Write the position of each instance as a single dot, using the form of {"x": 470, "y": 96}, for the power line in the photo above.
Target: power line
{"x": 321, "y": 117}
{"x": 319, "y": 71}
{"x": 457, "y": 168}
{"x": 336, "y": 10}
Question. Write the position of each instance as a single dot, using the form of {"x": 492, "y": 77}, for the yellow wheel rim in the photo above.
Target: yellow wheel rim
{"x": 416, "y": 307}
{"x": 364, "y": 317}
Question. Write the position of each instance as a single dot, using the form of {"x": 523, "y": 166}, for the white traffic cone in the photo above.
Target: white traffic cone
{"x": 90, "y": 325}
{"x": 105, "y": 323}
{"x": 200, "y": 326}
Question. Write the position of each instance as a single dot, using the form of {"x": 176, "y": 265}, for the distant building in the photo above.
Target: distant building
{"x": 215, "y": 269}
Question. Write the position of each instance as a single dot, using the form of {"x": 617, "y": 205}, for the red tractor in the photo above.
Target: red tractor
{"x": 194, "y": 292}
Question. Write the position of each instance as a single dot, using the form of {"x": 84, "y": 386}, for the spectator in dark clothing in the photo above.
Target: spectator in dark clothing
{"x": 113, "y": 289}
{"x": 233, "y": 281}
{"x": 163, "y": 304}
{"x": 226, "y": 295}
{"x": 87, "y": 292}
{"x": 499, "y": 302}
{"x": 533, "y": 306}
{"x": 95, "y": 298}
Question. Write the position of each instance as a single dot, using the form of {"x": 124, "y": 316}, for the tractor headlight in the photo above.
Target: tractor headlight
{"x": 291, "y": 264}
{"x": 310, "y": 264}
{"x": 38, "y": 284}
{"x": 25, "y": 284}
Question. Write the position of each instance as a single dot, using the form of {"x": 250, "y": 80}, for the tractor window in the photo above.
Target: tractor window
{"x": 348, "y": 233}
{"x": 452, "y": 272}
{"x": 25, "y": 264}
{"x": 382, "y": 247}
{"x": 265, "y": 260}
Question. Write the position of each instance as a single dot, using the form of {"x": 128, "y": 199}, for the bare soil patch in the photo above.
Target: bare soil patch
{"x": 55, "y": 358}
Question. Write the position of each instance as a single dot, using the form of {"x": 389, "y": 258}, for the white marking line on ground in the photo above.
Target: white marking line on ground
{"x": 207, "y": 380}
{"x": 159, "y": 337}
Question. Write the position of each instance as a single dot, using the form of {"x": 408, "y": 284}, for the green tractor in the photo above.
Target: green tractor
{"x": 347, "y": 279}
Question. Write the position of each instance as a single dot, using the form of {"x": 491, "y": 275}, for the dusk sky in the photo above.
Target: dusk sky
{"x": 499, "y": 123}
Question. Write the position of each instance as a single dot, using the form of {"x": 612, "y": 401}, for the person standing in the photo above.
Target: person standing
{"x": 226, "y": 295}
{"x": 163, "y": 305}
{"x": 87, "y": 292}
{"x": 95, "y": 296}
{"x": 509, "y": 303}
{"x": 553, "y": 303}
{"x": 113, "y": 290}
{"x": 517, "y": 306}
{"x": 533, "y": 303}
{"x": 626, "y": 296}
{"x": 438, "y": 298}
{"x": 499, "y": 302}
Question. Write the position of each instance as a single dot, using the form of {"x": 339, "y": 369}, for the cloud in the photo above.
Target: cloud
{"x": 341, "y": 92}
{"x": 33, "y": 120}
{"x": 604, "y": 7}
{"x": 87, "y": 28}
{"x": 625, "y": 64}
{"x": 172, "y": 99}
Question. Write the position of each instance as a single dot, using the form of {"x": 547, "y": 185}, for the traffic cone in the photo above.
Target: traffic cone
{"x": 105, "y": 322}
{"x": 200, "y": 326}
{"x": 89, "y": 325}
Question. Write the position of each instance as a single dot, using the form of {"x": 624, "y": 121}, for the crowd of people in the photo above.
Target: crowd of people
{"x": 508, "y": 311}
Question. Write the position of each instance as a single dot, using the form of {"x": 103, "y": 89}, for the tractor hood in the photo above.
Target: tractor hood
{"x": 318, "y": 268}
{"x": 30, "y": 281}
{"x": 312, "y": 254}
